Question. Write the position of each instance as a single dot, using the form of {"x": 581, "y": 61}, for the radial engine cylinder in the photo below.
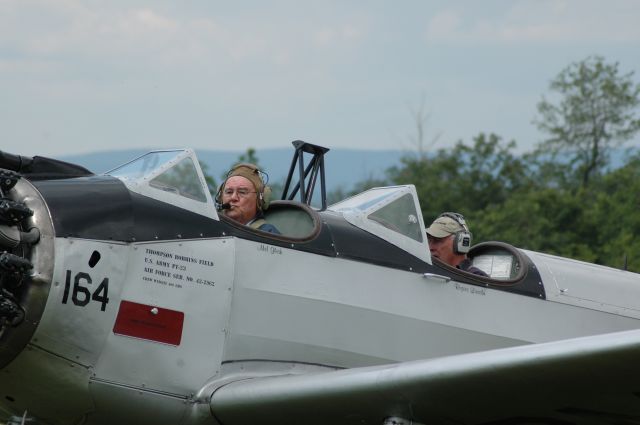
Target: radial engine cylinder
{"x": 26, "y": 262}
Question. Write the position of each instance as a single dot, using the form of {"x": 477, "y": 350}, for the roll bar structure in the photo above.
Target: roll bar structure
{"x": 307, "y": 175}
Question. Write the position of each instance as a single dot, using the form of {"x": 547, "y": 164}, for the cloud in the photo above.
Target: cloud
{"x": 530, "y": 21}
{"x": 333, "y": 36}
{"x": 160, "y": 71}
{"x": 78, "y": 34}
{"x": 154, "y": 33}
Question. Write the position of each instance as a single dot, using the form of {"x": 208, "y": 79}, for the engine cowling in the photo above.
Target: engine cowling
{"x": 26, "y": 262}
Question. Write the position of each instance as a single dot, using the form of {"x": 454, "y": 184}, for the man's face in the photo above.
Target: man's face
{"x": 442, "y": 249}
{"x": 241, "y": 195}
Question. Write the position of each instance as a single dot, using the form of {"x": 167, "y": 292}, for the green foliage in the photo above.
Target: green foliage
{"x": 339, "y": 194}
{"x": 547, "y": 220}
{"x": 248, "y": 157}
{"x": 208, "y": 178}
{"x": 474, "y": 176}
{"x": 595, "y": 113}
{"x": 616, "y": 204}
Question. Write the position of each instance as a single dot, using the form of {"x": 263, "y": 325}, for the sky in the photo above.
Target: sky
{"x": 86, "y": 76}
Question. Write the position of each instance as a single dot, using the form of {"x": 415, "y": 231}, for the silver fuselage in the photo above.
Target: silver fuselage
{"x": 131, "y": 331}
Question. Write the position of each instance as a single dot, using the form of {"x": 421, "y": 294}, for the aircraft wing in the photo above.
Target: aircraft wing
{"x": 587, "y": 380}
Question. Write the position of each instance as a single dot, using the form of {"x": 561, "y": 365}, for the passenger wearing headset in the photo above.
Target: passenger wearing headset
{"x": 450, "y": 240}
{"x": 244, "y": 196}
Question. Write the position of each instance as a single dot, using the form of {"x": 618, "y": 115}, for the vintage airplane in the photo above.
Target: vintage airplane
{"x": 126, "y": 298}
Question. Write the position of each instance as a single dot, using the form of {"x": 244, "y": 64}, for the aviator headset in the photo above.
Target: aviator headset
{"x": 253, "y": 174}
{"x": 462, "y": 239}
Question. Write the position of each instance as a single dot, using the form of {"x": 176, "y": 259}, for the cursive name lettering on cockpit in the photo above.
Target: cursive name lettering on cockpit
{"x": 470, "y": 289}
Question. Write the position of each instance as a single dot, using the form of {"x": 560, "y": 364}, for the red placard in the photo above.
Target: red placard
{"x": 149, "y": 322}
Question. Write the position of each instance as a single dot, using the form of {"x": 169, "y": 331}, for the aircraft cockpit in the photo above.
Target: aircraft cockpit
{"x": 390, "y": 213}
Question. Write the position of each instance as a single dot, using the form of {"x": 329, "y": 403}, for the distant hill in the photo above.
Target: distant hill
{"x": 344, "y": 167}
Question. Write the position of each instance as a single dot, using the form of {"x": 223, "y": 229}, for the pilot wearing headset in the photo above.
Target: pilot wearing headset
{"x": 244, "y": 196}
{"x": 450, "y": 240}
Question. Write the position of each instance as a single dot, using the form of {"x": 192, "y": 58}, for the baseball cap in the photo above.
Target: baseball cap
{"x": 444, "y": 226}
